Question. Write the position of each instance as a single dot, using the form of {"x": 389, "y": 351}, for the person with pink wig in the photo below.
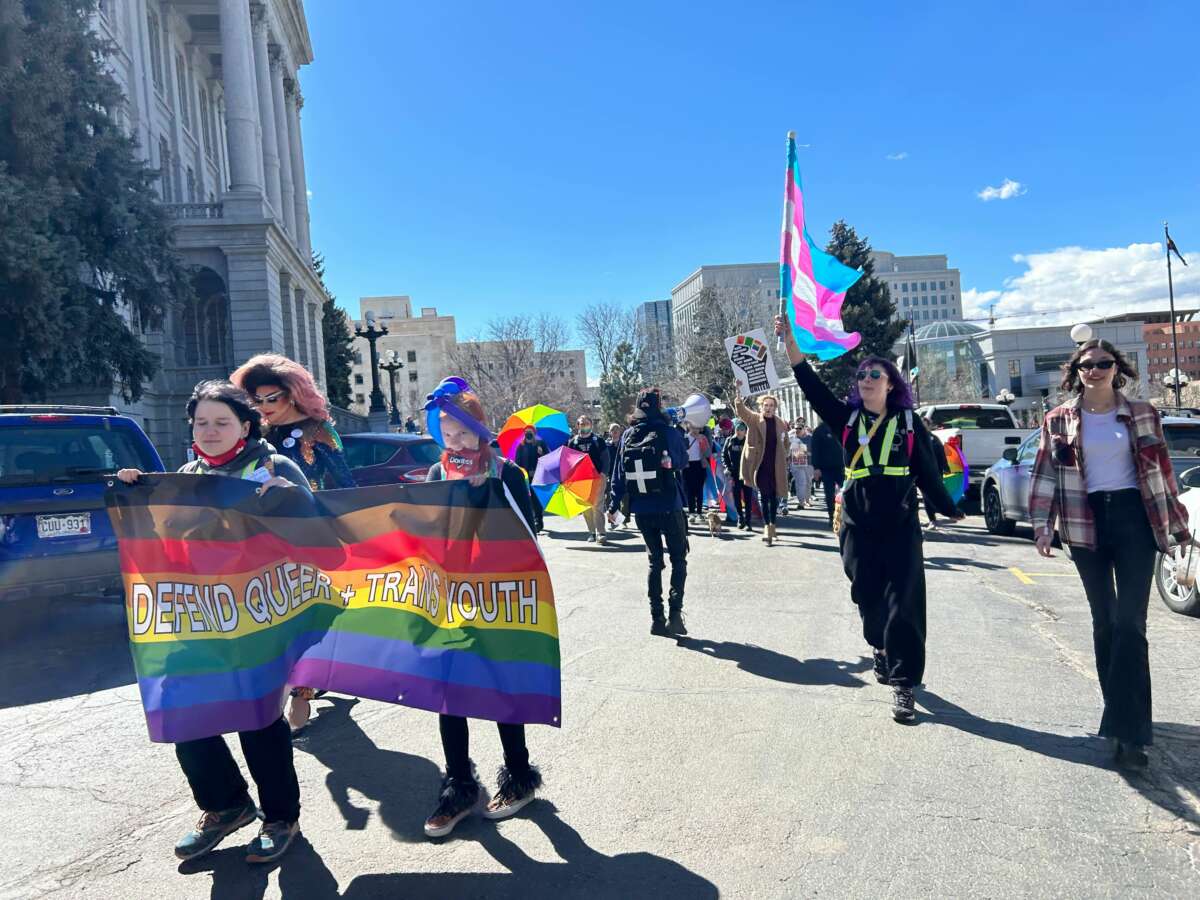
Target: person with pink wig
{"x": 297, "y": 417}
{"x": 298, "y": 425}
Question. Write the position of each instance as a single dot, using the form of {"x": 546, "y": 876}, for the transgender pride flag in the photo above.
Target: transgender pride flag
{"x": 811, "y": 280}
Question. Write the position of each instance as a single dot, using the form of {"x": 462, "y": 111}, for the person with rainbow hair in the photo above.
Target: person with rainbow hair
{"x": 455, "y": 419}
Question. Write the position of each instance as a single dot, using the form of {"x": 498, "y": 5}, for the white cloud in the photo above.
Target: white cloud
{"x": 896, "y": 157}
{"x": 1007, "y": 190}
{"x": 1073, "y": 284}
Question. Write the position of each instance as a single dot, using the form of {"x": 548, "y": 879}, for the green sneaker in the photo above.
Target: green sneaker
{"x": 212, "y": 829}
{"x": 272, "y": 842}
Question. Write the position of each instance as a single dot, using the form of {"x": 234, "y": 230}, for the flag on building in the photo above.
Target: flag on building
{"x": 434, "y": 596}
{"x": 812, "y": 283}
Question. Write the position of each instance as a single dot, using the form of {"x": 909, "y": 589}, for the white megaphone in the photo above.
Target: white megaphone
{"x": 695, "y": 409}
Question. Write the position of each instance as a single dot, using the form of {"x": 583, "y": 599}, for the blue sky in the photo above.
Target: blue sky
{"x": 488, "y": 158}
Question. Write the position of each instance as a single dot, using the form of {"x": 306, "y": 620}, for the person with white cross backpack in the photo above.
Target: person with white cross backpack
{"x": 651, "y": 455}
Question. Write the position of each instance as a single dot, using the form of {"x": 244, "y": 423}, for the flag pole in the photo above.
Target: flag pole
{"x": 791, "y": 136}
{"x": 1171, "y": 296}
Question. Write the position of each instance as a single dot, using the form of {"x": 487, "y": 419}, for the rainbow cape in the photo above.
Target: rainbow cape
{"x": 811, "y": 281}
{"x": 434, "y": 596}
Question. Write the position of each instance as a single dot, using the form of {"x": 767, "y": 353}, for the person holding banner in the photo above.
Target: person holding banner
{"x": 887, "y": 451}
{"x": 455, "y": 419}
{"x": 764, "y": 458}
{"x": 227, "y": 440}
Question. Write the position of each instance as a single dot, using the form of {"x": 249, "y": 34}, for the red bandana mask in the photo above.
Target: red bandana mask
{"x": 214, "y": 461}
{"x": 463, "y": 463}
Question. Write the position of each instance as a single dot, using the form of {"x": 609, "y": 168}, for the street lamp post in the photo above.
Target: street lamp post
{"x": 392, "y": 366}
{"x": 1176, "y": 379}
{"x": 377, "y": 412}
{"x": 1006, "y": 397}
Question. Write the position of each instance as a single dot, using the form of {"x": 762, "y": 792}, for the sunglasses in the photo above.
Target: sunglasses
{"x": 873, "y": 374}
{"x": 1103, "y": 365}
{"x": 270, "y": 398}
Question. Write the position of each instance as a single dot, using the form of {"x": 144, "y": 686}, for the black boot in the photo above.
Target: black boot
{"x": 658, "y": 621}
{"x": 675, "y": 623}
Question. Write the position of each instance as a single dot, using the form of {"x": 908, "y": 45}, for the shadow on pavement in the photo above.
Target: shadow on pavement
{"x": 948, "y": 563}
{"x": 583, "y": 872}
{"x": 303, "y": 875}
{"x": 404, "y": 786}
{"x": 776, "y": 666}
{"x": 1171, "y": 782}
{"x": 62, "y": 647}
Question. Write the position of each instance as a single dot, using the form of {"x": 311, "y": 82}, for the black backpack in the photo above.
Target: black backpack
{"x": 641, "y": 459}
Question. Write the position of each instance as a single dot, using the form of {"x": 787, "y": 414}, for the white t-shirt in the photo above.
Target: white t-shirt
{"x": 693, "y": 448}
{"x": 1107, "y": 456}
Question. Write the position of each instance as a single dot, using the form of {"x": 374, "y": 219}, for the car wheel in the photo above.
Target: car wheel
{"x": 993, "y": 513}
{"x": 1180, "y": 599}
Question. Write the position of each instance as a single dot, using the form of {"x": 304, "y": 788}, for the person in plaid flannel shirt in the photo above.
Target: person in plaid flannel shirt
{"x": 1103, "y": 478}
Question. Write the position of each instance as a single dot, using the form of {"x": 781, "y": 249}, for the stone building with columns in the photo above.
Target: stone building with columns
{"x": 213, "y": 100}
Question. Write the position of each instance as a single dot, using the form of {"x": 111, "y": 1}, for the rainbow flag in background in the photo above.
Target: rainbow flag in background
{"x": 434, "y": 596}
{"x": 810, "y": 280}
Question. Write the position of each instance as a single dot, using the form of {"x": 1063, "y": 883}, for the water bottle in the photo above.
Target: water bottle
{"x": 666, "y": 460}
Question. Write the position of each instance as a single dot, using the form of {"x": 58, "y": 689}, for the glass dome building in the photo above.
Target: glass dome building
{"x": 951, "y": 365}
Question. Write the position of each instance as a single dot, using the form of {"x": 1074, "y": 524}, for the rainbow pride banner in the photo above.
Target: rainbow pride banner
{"x": 811, "y": 281}
{"x": 434, "y": 596}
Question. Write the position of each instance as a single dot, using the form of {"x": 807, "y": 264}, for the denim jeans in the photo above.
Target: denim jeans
{"x": 1116, "y": 577}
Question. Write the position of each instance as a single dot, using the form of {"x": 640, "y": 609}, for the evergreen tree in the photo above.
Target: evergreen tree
{"x": 868, "y": 309}
{"x": 619, "y": 388}
{"x": 339, "y": 343}
{"x": 86, "y": 257}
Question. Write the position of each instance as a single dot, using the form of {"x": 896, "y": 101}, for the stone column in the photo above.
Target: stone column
{"x": 301, "y": 187}
{"x": 238, "y": 77}
{"x": 286, "y": 178}
{"x": 266, "y": 110}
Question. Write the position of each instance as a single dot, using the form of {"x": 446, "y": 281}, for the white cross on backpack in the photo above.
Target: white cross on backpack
{"x": 639, "y": 476}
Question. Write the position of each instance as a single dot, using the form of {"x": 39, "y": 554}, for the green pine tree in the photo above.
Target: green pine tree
{"x": 86, "y": 258}
{"x": 868, "y": 309}
{"x": 339, "y": 343}
{"x": 619, "y": 388}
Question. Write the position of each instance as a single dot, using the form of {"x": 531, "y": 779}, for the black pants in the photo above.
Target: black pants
{"x": 217, "y": 783}
{"x": 536, "y": 505}
{"x": 693, "y": 483}
{"x": 831, "y": 480}
{"x": 743, "y": 501}
{"x": 456, "y": 745}
{"x": 768, "y": 501}
{"x": 887, "y": 582}
{"x": 671, "y": 529}
{"x": 1116, "y": 577}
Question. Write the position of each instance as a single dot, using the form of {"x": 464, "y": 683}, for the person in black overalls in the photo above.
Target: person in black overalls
{"x": 880, "y": 533}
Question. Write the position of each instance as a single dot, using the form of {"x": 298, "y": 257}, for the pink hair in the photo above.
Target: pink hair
{"x": 271, "y": 368}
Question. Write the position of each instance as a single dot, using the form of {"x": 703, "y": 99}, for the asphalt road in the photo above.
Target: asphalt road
{"x": 756, "y": 758}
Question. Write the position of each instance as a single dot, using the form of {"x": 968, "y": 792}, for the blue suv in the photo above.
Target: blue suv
{"x": 55, "y": 536}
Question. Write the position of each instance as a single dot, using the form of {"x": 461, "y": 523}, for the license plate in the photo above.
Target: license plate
{"x": 64, "y": 526}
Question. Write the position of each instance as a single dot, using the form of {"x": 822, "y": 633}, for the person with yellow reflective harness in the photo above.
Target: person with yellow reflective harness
{"x": 886, "y": 448}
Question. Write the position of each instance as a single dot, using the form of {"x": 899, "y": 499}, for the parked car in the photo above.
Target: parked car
{"x": 981, "y": 431}
{"x": 1006, "y": 497}
{"x": 390, "y": 458}
{"x": 55, "y": 536}
{"x": 1183, "y": 599}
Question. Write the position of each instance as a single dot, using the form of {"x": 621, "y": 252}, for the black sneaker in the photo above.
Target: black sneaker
{"x": 458, "y": 798}
{"x": 513, "y": 793}
{"x": 272, "y": 842}
{"x": 904, "y": 708}
{"x": 675, "y": 623}
{"x": 213, "y": 828}
{"x": 881, "y": 667}
{"x": 1132, "y": 756}
{"x": 658, "y": 627}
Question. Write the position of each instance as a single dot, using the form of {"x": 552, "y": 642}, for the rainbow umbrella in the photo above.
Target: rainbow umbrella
{"x": 550, "y": 424}
{"x": 566, "y": 482}
{"x": 956, "y": 479}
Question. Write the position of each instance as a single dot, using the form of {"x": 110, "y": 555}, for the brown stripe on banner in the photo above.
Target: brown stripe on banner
{"x": 206, "y": 524}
